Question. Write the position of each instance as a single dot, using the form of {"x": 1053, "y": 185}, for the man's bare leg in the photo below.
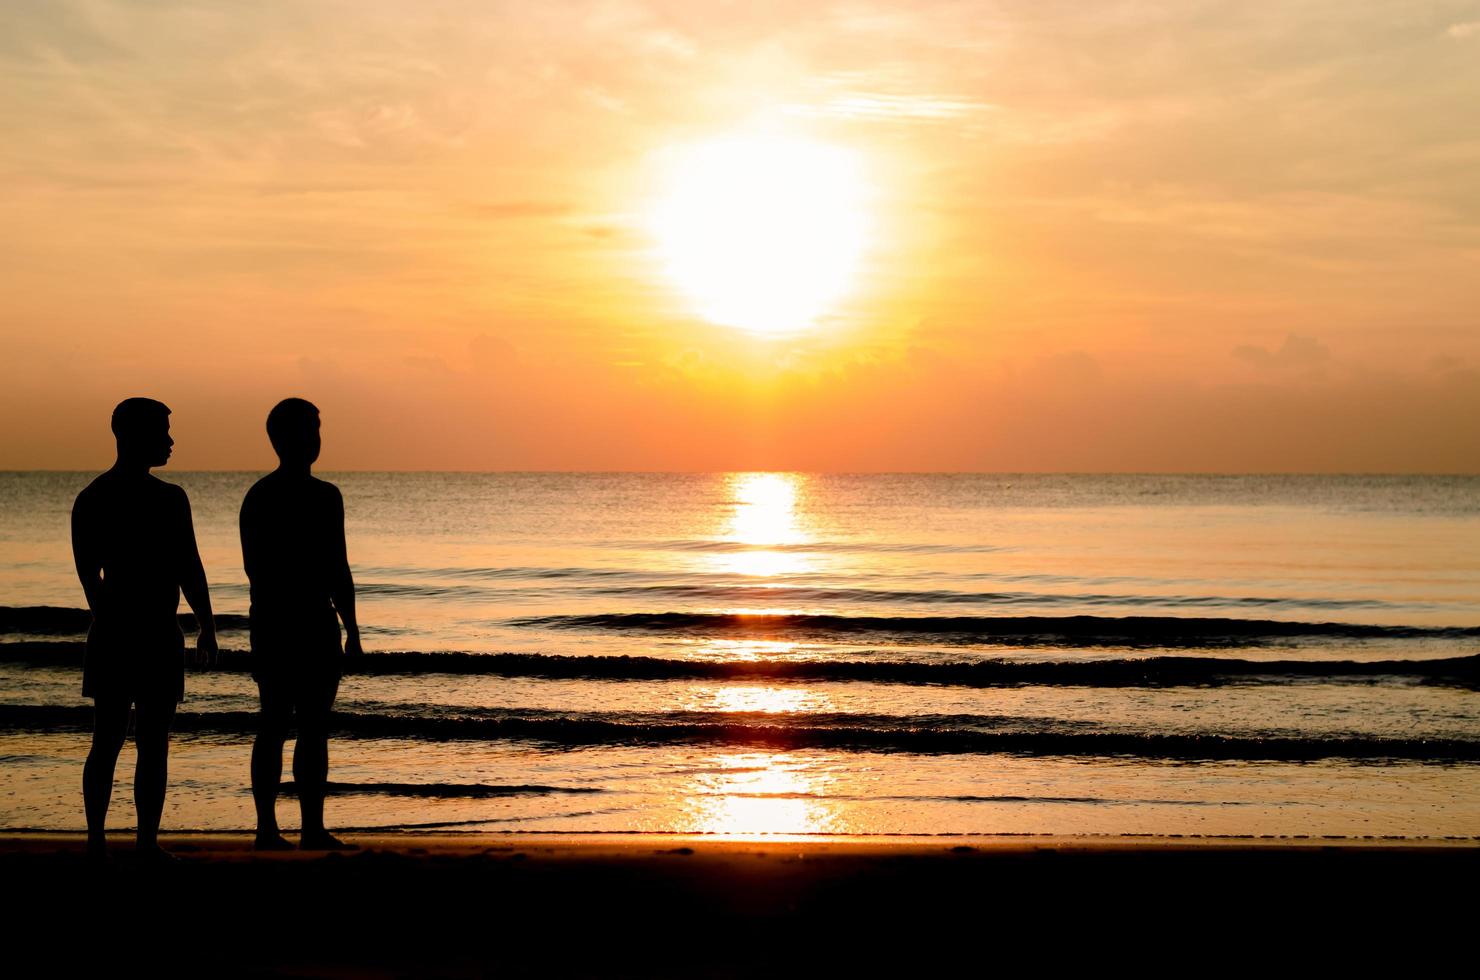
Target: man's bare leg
{"x": 110, "y": 728}
{"x": 267, "y": 777}
{"x": 311, "y": 769}
{"x": 152, "y": 770}
{"x": 311, "y": 776}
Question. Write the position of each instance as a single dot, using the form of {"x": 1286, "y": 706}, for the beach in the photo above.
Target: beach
{"x": 691, "y": 905}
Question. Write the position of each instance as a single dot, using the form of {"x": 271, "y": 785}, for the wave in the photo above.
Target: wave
{"x": 1128, "y": 672}
{"x": 1157, "y": 631}
{"x": 442, "y": 791}
{"x": 717, "y": 545}
{"x": 64, "y": 621}
{"x": 496, "y": 573}
{"x": 933, "y": 735}
{"x": 1008, "y": 798}
{"x": 493, "y": 791}
{"x": 793, "y": 594}
{"x": 1070, "y": 631}
{"x": 641, "y": 590}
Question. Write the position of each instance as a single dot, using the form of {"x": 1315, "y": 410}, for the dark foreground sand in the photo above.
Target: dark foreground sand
{"x": 641, "y": 905}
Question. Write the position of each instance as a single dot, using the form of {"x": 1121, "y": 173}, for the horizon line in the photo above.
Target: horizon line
{"x": 810, "y": 472}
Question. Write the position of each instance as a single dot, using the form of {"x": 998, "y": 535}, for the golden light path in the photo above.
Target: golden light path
{"x": 761, "y": 793}
{"x": 763, "y": 525}
{"x": 762, "y": 232}
{"x": 764, "y": 516}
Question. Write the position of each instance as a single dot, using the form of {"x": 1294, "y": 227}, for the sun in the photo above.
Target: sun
{"x": 763, "y": 233}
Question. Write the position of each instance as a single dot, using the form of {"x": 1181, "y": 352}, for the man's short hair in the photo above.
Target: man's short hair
{"x": 135, "y": 415}
{"x": 288, "y": 416}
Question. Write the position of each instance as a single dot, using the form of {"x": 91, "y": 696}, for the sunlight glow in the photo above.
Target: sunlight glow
{"x": 760, "y": 793}
{"x": 765, "y": 508}
{"x": 756, "y": 697}
{"x": 722, "y": 648}
{"x": 763, "y": 233}
{"x": 765, "y": 515}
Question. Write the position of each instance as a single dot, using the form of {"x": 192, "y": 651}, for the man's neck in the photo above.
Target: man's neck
{"x": 297, "y": 471}
{"x": 130, "y": 467}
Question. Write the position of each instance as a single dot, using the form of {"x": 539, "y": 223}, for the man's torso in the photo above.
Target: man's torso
{"x": 137, "y": 529}
{"x": 292, "y": 530}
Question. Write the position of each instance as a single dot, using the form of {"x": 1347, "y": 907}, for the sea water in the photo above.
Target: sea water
{"x": 790, "y": 653}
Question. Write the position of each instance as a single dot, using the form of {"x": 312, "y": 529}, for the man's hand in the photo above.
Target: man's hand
{"x": 206, "y": 652}
{"x": 352, "y": 651}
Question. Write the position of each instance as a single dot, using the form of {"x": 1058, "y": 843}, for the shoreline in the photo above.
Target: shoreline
{"x": 209, "y": 843}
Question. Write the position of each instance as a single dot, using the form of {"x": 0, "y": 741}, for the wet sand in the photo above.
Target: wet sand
{"x": 659, "y": 905}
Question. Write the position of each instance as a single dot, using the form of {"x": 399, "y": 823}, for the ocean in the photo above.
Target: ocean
{"x": 792, "y": 653}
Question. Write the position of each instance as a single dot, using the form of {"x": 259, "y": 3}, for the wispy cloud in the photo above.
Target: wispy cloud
{"x": 1296, "y": 353}
{"x": 1470, "y": 28}
{"x": 894, "y": 108}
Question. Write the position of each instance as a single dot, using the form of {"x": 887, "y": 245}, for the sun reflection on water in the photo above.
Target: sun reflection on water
{"x": 765, "y": 515}
{"x": 724, "y": 648}
{"x": 757, "y": 697}
{"x": 760, "y": 793}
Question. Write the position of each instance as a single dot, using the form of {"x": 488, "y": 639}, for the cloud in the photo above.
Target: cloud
{"x": 1297, "y": 352}
{"x": 880, "y": 106}
{"x": 1470, "y": 28}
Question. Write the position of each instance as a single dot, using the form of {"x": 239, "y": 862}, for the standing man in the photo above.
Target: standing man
{"x": 134, "y": 544}
{"x": 293, "y": 548}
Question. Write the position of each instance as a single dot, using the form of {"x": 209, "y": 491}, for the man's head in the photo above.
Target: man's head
{"x": 293, "y": 429}
{"x": 142, "y": 428}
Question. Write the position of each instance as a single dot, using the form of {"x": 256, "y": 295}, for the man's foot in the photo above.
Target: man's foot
{"x": 324, "y": 841}
{"x": 273, "y": 841}
{"x": 97, "y": 850}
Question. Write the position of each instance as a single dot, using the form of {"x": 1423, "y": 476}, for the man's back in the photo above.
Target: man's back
{"x": 137, "y": 529}
{"x": 292, "y": 531}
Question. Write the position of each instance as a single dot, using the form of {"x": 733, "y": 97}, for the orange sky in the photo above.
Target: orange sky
{"x": 1104, "y": 236}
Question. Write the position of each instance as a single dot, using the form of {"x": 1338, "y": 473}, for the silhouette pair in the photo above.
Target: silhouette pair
{"x": 134, "y": 545}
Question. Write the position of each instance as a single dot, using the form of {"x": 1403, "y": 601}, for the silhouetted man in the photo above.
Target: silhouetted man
{"x": 134, "y": 545}
{"x": 293, "y": 548}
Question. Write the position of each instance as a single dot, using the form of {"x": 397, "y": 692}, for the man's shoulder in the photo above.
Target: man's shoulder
{"x": 273, "y": 490}
{"x": 109, "y": 483}
{"x": 320, "y": 493}
{"x": 165, "y": 487}
{"x": 258, "y": 489}
{"x": 172, "y": 494}
{"x": 95, "y": 488}
{"x": 325, "y": 489}
{"x": 269, "y": 487}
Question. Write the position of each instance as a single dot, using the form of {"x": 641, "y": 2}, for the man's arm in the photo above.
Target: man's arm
{"x": 85, "y": 554}
{"x": 343, "y": 591}
{"x": 193, "y": 584}
{"x": 247, "y": 524}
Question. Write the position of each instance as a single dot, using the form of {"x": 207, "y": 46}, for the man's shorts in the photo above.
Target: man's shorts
{"x": 305, "y": 695}
{"x": 297, "y": 661}
{"x": 134, "y": 664}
